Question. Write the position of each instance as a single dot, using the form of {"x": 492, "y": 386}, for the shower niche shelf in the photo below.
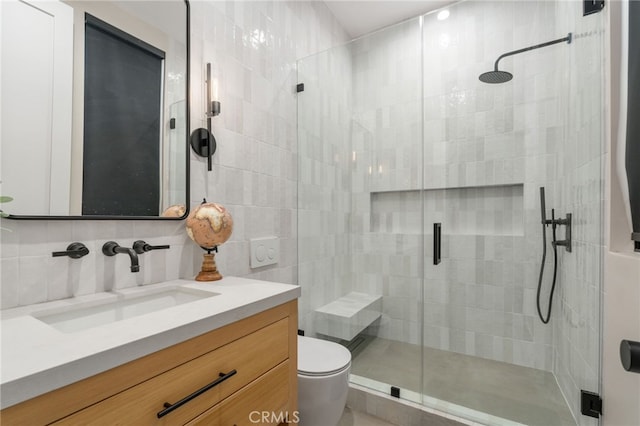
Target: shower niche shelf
{"x": 478, "y": 210}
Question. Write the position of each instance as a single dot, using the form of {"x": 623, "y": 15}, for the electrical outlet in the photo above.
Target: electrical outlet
{"x": 264, "y": 251}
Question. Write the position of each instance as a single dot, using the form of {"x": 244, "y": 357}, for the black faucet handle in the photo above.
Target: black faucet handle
{"x": 74, "y": 251}
{"x": 109, "y": 248}
{"x": 143, "y": 247}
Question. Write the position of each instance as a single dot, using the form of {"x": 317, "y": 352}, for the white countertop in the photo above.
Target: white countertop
{"x": 37, "y": 358}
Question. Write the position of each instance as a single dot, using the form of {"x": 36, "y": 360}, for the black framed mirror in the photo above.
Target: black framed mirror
{"x": 95, "y": 109}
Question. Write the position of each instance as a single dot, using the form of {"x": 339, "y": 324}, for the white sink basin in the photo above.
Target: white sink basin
{"x": 84, "y": 317}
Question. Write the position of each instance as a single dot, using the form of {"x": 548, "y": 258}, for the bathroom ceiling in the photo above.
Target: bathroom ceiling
{"x": 359, "y": 17}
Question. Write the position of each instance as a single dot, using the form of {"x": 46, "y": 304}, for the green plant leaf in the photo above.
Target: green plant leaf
{"x": 5, "y": 199}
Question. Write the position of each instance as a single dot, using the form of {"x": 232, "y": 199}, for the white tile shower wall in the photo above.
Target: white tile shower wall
{"x": 577, "y": 333}
{"x": 254, "y": 47}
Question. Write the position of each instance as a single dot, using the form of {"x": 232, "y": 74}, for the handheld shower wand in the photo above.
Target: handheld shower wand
{"x": 545, "y": 222}
{"x": 554, "y": 243}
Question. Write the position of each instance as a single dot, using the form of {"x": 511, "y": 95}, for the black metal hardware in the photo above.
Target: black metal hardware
{"x": 437, "y": 243}
{"x": 172, "y": 123}
{"x": 395, "y": 392}
{"x": 635, "y": 237}
{"x": 143, "y": 247}
{"x": 202, "y": 140}
{"x": 74, "y": 251}
{"x": 300, "y": 332}
{"x": 590, "y": 404}
{"x": 203, "y": 144}
{"x": 300, "y": 88}
{"x": 630, "y": 355}
{"x": 566, "y": 243}
{"x": 168, "y": 407}
{"x": 566, "y": 39}
{"x": 567, "y": 232}
{"x": 111, "y": 248}
{"x": 497, "y": 76}
{"x": 592, "y": 6}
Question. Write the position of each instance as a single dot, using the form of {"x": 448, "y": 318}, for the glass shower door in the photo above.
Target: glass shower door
{"x": 488, "y": 150}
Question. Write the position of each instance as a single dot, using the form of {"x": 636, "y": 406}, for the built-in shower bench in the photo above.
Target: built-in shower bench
{"x": 349, "y": 315}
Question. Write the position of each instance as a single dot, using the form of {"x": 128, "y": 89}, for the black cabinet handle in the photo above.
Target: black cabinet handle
{"x": 437, "y": 243}
{"x": 168, "y": 407}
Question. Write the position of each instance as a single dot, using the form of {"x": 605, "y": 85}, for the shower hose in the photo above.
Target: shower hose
{"x": 544, "y": 319}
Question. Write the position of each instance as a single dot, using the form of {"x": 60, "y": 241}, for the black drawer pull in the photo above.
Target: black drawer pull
{"x": 168, "y": 407}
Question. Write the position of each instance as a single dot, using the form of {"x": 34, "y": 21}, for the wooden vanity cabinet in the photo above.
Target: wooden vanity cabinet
{"x": 243, "y": 374}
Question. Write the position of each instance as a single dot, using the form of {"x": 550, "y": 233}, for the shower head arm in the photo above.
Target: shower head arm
{"x": 568, "y": 39}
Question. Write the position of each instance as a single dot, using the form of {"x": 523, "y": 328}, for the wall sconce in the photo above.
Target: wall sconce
{"x": 213, "y": 105}
{"x": 202, "y": 140}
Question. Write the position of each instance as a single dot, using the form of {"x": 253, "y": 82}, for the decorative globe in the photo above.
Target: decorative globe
{"x": 209, "y": 225}
{"x": 176, "y": 210}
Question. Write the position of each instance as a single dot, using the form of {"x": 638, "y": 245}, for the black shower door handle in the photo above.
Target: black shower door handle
{"x": 437, "y": 243}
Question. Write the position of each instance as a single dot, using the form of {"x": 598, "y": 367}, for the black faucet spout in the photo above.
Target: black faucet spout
{"x": 111, "y": 248}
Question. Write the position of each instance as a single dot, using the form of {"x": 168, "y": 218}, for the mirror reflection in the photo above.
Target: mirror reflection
{"x": 94, "y": 108}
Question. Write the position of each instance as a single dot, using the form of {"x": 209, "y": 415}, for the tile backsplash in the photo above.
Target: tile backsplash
{"x": 31, "y": 275}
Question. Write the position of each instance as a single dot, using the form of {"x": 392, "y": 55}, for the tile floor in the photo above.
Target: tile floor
{"x": 356, "y": 418}
{"x": 521, "y": 394}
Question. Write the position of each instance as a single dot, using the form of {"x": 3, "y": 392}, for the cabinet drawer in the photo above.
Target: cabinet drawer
{"x": 263, "y": 402}
{"x": 251, "y": 356}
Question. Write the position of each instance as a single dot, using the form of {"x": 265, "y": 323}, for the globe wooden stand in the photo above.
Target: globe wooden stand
{"x": 209, "y": 270}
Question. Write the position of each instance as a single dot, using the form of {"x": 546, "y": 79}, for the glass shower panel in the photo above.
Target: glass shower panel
{"x": 360, "y": 226}
{"x": 577, "y": 336}
{"x": 324, "y": 188}
{"x": 387, "y": 207}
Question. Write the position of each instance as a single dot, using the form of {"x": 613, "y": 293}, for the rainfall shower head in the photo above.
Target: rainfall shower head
{"x": 496, "y": 76}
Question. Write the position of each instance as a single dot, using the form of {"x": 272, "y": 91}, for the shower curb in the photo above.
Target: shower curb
{"x": 397, "y": 411}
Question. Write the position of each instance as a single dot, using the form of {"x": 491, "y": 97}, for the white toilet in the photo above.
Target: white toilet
{"x": 323, "y": 381}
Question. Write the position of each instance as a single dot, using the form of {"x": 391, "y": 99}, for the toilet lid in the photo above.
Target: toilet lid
{"x": 320, "y": 357}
